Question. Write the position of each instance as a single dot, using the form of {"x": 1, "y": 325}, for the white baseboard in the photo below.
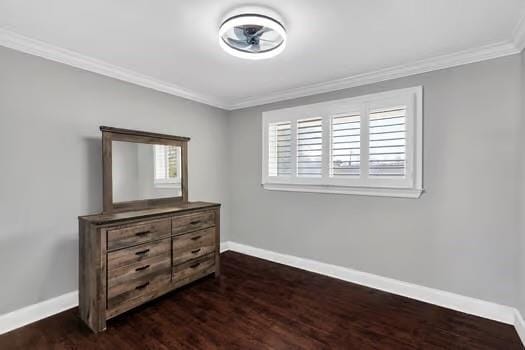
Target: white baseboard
{"x": 225, "y": 246}
{"x": 35, "y": 312}
{"x": 520, "y": 326}
{"x": 468, "y": 305}
{"x": 472, "y": 306}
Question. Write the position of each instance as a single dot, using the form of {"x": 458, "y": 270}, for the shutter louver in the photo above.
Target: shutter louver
{"x": 309, "y": 147}
{"x": 387, "y": 142}
{"x": 345, "y": 157}
{"x": 280, "y": 152}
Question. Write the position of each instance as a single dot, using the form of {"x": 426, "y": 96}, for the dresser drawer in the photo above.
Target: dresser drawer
{"x": 192, "y": 245}
{"x": 194, "y": 269}
{"x": 123, "y": 278}
{"x": 193, "y": 222}
{"x": 139, "y": 253}
{"x": 139, "y": 233}
{"x": 131, "y": 280}
{"x": 137, "y": 293}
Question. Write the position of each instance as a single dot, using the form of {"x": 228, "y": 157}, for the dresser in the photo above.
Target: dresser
{"x": 149, "y": 239}
{"x": 129, "y": 258}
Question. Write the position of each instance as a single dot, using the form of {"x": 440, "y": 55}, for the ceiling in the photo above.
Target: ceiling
{"x": 172, "y": 45}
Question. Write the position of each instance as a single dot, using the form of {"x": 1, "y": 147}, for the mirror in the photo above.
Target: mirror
{"x": 142, "y": 171}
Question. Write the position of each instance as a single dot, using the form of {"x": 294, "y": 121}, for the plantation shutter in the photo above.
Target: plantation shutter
{"x": 345, "y": 157}
{"x": 166, "y": 163}
{"x": 160, "y": 162}
{"x": 171, "y": 160}
{"x": 280, "y": 149}
{"x": 387, "y": 142}
{"x": 309, "y": 147}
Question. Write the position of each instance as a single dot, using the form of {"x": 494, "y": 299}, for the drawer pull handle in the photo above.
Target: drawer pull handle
{"x": 141, "y": 268}
{"x": 195, "y": 238}
{"x": 195, "y": 222}
{"x": 142, "y": 252}
{"x": 196, "y": 251}
{"x": 195, "y": 265}
{"x": 142, "y": 233}
{"x": 142, "y": 286}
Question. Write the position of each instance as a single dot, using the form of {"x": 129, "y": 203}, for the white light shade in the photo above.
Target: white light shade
{"x": 256, "y": 20}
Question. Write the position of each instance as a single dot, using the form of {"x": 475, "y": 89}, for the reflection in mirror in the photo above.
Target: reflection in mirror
{"x": 144, "y": 171}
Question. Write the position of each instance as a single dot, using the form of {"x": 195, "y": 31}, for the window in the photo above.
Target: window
{"x": 166, "y": 166}
{"x": 369, "y": 145}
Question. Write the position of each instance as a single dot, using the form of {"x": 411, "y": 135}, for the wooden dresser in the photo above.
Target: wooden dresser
{"x": 131, "y": 257}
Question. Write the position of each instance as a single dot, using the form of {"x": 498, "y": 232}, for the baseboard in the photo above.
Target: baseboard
{"x": 472, "y": 306}
{"x": 35, "y": 312}
{"x": 225, "y": 246}
{"x": 519, "y": 323}
{"x": 468, "y": 305}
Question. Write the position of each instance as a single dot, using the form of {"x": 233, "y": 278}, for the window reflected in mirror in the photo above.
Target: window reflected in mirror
{"x": 167, "y": 166}
{"x": 145, "y": 171}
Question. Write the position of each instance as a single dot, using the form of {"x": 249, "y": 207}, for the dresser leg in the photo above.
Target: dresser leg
{"x": 99, "y": 330}
{"x": 96, "y": 325}
{"x": 217, "y": 265}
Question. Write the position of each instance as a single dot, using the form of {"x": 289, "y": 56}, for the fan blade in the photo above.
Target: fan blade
{"x": 262, "y": 31}
{"x": 238, "y": 43}
{"x": 239, "y": 33}
{"x": 268, "y": 41}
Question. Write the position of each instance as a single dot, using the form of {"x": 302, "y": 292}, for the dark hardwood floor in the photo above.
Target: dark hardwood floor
{"x": 257, "y": 304}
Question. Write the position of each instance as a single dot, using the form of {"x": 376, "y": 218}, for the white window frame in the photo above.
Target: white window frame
{"x": 411, "y": 186}
{"x": 170, "y": 182}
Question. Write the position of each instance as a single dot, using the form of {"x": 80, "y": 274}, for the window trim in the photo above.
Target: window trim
{"x": 410, "y": 187}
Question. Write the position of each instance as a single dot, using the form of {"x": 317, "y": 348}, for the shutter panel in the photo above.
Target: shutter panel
{"x": 166, "y": 163}
{"x": 309, "y": 147}
{"x": 172, "y": 161}
{"x": 345, "y": 155}
{"x": 387, "y": 142}
{"x": 160, "y": 162}
{"x": 280, "y": 149}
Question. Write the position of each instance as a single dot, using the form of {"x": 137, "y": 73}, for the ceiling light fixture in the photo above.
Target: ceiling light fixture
{"x": 252, "y": 36}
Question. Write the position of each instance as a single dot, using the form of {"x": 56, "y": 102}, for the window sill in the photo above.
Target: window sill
{"x": 360, "y": 191}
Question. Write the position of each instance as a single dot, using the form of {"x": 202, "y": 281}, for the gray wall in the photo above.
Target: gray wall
{"x": 460, "y": 236}
{"x": 51, "y": 164}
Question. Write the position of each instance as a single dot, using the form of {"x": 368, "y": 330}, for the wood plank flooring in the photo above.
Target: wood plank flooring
{"x": 257, "y": 304}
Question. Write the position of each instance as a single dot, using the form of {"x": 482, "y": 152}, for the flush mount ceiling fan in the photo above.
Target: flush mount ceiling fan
{"x": 252, "y": 36}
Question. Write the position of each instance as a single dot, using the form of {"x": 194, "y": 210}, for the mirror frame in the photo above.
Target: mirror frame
{"x": 110, "y": 134}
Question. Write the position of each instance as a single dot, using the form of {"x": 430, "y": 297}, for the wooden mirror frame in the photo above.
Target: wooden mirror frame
{"x": 109, "y": 135}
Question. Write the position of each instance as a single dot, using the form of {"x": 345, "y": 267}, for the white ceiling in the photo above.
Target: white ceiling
{"x": 172, "y": 45}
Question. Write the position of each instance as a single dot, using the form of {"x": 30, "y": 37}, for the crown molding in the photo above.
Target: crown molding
{"x": 423, "y": 66}
{"x": 39, "y": 48}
